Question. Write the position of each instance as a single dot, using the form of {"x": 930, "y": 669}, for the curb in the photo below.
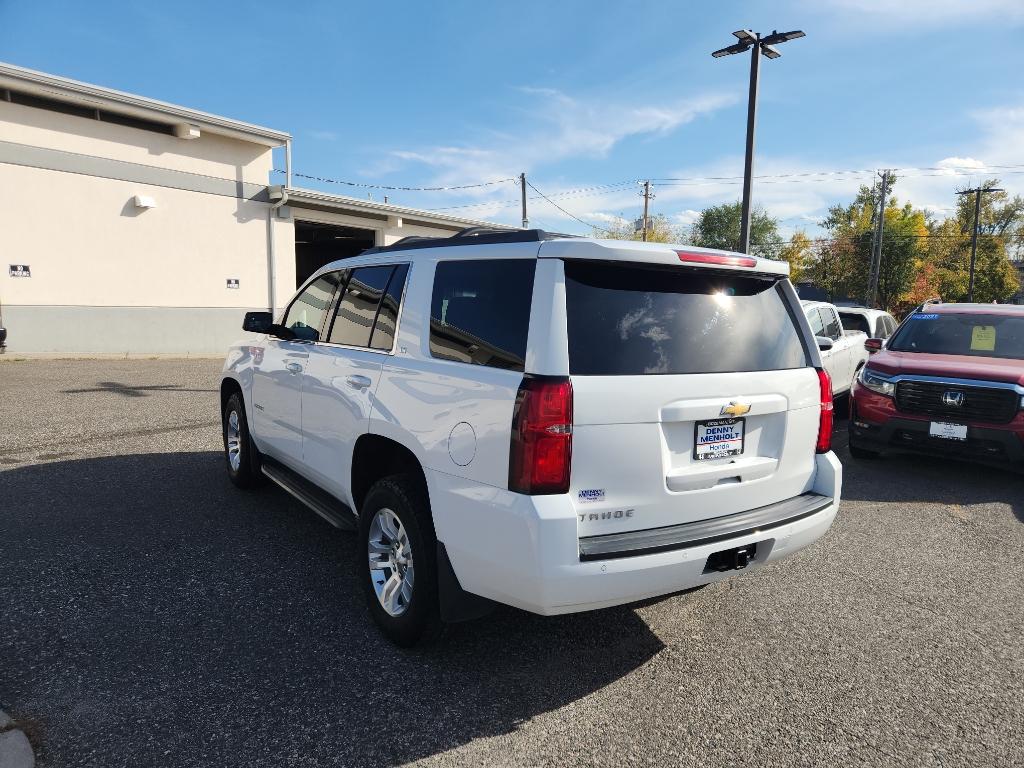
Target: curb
{"x": 15, "y": 749}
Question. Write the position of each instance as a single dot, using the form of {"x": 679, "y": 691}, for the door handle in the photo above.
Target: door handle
{"x": 358, "y": 382}
{"x": 293, "y": 367}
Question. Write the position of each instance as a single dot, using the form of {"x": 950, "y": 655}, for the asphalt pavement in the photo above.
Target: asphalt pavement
{"x": 152, "y": 614}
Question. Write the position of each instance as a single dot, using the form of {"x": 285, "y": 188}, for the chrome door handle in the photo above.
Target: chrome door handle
{"x": 293, "y": 367}
{"x": 358, "y": 382}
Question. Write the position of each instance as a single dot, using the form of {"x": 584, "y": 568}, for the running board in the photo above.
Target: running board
{"x": 334, "y": 511}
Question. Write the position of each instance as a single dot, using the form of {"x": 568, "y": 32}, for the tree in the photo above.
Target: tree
{"x": 799, "y": 254}
{"x": 844, "y": 261}
{"x": 660, "y": 231}
{"x": 1001, "y": 229}
{"x": 719, "y": 227}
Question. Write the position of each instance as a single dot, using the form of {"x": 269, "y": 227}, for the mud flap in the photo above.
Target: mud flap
{"x": 456, "y": 603}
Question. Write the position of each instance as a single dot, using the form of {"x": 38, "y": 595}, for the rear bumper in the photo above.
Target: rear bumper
{"x": 525, "y": 551}
{"x": 877, "y": 425}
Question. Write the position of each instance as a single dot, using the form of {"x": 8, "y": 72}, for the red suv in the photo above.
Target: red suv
{"x": 949, "y": 381}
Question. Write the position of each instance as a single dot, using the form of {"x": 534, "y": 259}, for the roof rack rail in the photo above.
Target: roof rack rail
{"x": 470, "y": 236}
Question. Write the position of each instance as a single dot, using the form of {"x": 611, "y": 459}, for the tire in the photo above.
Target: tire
{"x": 401, "y": 594}
{"x": 240, "y": 454}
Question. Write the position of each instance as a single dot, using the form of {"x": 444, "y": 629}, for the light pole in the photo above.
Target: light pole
{"x": 756, "y": 44}
{"x": 977, "y": 192}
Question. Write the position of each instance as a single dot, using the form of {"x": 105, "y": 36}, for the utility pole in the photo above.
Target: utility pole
{"x": 647, "y": 200}
{"x": 876, "y": 247}
{"x": 757, "y": 46}
{"x": 522, "y": 191}
{"x": 977, "y": 192}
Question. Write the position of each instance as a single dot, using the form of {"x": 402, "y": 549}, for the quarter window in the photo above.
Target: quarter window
{"x": 480, "y": 311}
{"x": 306, "y": 314}
{"x": 358, "y": 306}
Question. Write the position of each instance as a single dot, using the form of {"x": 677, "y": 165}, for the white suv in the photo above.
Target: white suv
{"x": 558, "y": 424}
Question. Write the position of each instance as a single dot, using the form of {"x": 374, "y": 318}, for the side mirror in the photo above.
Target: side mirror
{"x": 824, "y": 343}
{"x": 873, "y": 345}
{"x": 257, "y": 322}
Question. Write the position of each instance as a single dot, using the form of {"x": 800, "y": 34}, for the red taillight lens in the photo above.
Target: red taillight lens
{"x": 541, "y": 452}
{"x": 715, "y": 258}
{"x": 825, "y": 424}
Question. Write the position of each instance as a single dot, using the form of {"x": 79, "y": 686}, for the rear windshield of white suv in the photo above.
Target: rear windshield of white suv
{"x": 970, "y": 334}
{"x": 627, "y": 319}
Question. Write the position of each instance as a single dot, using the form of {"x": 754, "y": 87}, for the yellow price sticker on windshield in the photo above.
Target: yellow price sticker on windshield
{"x": 983, "y": 338}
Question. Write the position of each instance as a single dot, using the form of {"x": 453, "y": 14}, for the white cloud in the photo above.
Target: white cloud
{"x": 558, "y": 127}
{"x": 324, "y": 135}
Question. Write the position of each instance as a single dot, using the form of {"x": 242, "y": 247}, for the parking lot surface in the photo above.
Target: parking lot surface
{"x": 152, "y": 614}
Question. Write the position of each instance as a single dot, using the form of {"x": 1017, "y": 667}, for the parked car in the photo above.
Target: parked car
{"x": 558, "y": 424}
{"x": 950, "y": 381}
{"x": 842, "y": 351}
{"x": 875, "y": 323}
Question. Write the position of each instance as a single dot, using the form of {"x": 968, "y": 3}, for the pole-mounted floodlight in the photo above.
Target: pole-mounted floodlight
{"x": 753, "y": 42}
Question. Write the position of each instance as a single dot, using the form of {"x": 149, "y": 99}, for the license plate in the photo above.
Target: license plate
{"x": 948, "y": 431}
{"x": 717, "y": 439}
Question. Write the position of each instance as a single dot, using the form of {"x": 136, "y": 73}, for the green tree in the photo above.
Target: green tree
{"x": 1001, "y": 232}
{"x": 798, "y": 252}
{"x": 719, "y": 227}
{"x": 844, "y": 260}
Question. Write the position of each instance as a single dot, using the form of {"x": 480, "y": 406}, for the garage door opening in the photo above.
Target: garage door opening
{"x": 320, "y": 244}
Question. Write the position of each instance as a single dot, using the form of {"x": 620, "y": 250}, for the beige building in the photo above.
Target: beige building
{"x": 132, "y": 226}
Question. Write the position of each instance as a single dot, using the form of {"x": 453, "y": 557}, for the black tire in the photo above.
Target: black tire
{"x": 420, "y": 617}
{"x": 247, "y": 473}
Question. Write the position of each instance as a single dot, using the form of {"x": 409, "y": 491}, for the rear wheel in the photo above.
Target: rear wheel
{"x": 398, "y": 560}
{"x": 239, "y": 452}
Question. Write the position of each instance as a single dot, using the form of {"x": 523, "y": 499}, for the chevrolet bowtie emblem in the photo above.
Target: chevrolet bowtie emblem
{"x": 734, "y": 409}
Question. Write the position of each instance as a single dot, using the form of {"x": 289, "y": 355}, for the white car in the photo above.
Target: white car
{"x": 876, "y": 323}
{"x": 558, "y": 424}
{"x": 842, "y": 351}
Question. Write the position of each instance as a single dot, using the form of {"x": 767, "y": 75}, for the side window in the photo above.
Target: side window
{"x": 306, "y": 314}
{"x": 887, "y": 327}
{"x": 358, "y": 306}
{"x": 832, "y": 327}
{"x": 814, "y": 318}
{"x": 387, "y": 315}
{"x": 480, "y": 311}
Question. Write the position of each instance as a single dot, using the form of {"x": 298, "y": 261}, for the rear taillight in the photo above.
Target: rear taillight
{"x": 717, "y": 258}
{"x": 825, "y": 423}
{"x": 541, "y": 452}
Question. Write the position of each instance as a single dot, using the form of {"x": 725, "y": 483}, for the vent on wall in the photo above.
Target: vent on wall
{"x": 89, "y": 113}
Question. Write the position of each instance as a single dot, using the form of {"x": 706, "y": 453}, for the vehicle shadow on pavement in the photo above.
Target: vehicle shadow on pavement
{"x": 153, "y": 614}
{"x": 915, "y": 478}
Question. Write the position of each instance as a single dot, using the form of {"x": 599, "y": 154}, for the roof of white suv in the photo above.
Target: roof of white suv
{"x": 557, "y": 246}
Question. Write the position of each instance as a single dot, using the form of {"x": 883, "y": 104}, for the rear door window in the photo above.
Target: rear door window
{"x": 387, "y": 315}
{"x": 817, "y": 324}
{"x": 480, "y": 311}
{"x": 832, "y": 327}
{"x": 357, "y": 309}
{"x": 631, "y": 319}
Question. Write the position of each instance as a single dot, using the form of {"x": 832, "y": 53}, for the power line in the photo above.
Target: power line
{"x": 325, "y": 180}
{"x": 570, "y": 215}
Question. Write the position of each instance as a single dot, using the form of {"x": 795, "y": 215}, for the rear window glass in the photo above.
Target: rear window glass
{"x": 852, "y": 322}
{"x": 975, "y": 335}
{"x": 626, "y": 320}
{"x": 480, "y": 311}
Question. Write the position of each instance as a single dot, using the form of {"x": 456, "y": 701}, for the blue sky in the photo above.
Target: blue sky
{"x": 585, "y": 97}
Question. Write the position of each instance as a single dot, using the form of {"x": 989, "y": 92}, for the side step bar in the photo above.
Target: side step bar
{"x": 333, "y": 510}
{"x": 695, "y": 534}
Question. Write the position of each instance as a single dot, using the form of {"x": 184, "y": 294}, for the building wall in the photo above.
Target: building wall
{"x": 108, "y": 277}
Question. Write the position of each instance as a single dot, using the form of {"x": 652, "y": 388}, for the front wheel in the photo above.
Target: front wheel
{"x": 239, "y": 451}
{"x": 398, "y": 556}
